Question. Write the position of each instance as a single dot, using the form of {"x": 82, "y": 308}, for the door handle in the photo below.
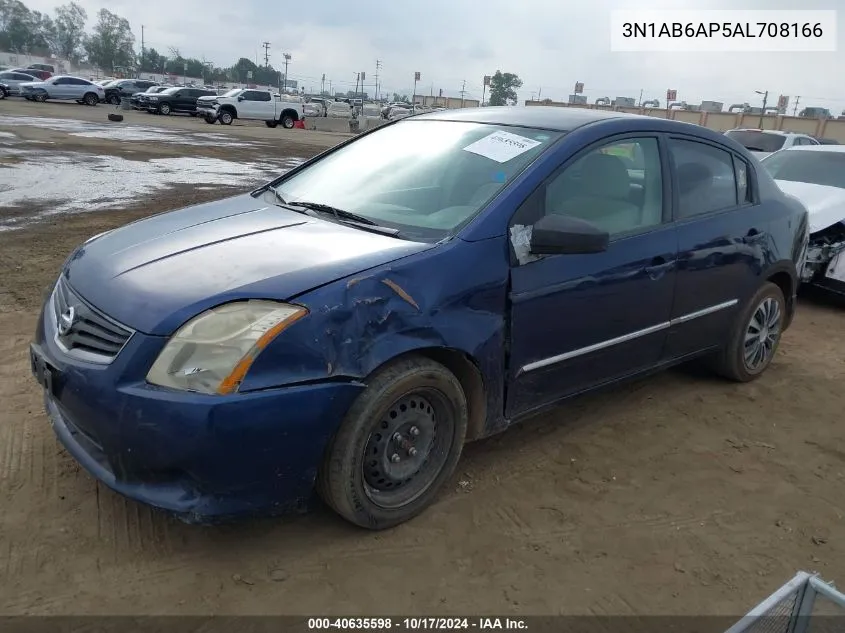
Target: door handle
{"x": 659, "y": 266}
{"x": 753, "y": 236}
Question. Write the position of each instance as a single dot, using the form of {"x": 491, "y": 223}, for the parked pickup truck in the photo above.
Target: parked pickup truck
{"x": 250, "y": 104}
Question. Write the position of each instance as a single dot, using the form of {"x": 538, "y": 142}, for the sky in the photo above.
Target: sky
{"x": 550, "y": 44}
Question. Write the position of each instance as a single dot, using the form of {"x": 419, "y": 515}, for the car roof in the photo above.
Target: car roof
{"x": 815, "y": 148}
{"x": 557, "y": 118}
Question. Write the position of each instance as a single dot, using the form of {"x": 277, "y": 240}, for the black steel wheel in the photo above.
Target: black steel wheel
{"x": 397, "y": 445}
{"x": 755, "y": 336}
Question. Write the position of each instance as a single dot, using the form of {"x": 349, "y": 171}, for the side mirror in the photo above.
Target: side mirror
{"x": 565, "y": 235}
{"x": 240, "y": 97}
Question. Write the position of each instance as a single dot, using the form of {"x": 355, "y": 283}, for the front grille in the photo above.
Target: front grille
{"x": 91, "y": 335}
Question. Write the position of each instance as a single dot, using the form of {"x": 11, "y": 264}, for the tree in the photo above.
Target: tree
{"x": 503, "y": 87}
{"x": 69, "y": 40}
{"x": 22, "y": 30}
{"x": 241, "y": 70}
{"x": 153, "y": 62}
{"x": 111, "y": 44}
{"x": 402, "y": 98}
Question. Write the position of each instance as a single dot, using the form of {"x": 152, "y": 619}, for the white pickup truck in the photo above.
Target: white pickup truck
{"x": 251, "y": 104}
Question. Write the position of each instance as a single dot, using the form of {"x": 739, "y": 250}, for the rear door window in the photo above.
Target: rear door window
{"x": 705, "y": 178}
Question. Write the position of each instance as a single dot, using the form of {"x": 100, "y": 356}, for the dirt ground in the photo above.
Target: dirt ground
{"x": 679, "y": 494}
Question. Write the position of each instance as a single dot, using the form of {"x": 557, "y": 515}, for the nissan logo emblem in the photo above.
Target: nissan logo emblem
{"x": 66, "y": 320}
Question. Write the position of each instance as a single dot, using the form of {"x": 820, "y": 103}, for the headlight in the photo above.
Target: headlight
{"x": 212, "y": 352}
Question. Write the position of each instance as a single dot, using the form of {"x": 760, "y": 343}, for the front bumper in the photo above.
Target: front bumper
{"x": 198, "y": 456}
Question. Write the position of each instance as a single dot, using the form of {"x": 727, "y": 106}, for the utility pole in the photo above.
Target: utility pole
{"x": 540, "y": 94}
{"x": 143, "y": 51}
{"x": 463, "y": 91}
{"x": 266, "y": 46}
{"x": 323, "y": 85}
{"x": 378, "y": 68}
{"x": 763, "y": 111}
{"x": 795, "y": 108}
{"x": 287, "y": 61}
{"x": 640, "y": 102}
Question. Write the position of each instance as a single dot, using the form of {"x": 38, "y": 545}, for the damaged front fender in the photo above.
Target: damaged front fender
{"x": 453, "y": 297}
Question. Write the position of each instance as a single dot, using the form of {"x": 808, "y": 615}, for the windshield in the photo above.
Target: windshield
{"x": 232, "y": 92}
{"x": 814, "y": 167}
{"x": 425, "y": 178}
{"x": 757, "y": 141}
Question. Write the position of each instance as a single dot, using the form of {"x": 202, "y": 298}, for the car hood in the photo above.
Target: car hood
{"x": 32, "y": 84}
{"x": 826, "y": 205}
{"x": 156, "y": 273}
{"x": 206, "y": 98}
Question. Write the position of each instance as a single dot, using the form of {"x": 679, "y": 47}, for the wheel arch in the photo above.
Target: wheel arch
{"x": 468, "y": 372}
{"x": 784, "y": 276}
{"x": 289, "y": 112}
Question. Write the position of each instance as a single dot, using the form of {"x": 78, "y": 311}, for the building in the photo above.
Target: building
{"x": 451, "y": 103}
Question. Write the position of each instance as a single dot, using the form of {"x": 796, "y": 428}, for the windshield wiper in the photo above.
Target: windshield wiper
{"x": 345, "y": 216}
{"x": 338, "y": 213}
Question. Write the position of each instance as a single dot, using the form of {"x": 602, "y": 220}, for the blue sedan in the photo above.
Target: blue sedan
{"x": 345, "y": 329}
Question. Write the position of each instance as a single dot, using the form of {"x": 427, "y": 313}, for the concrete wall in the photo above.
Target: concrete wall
{"x": 328, "y": 124}
{"x": 722, "y": 121}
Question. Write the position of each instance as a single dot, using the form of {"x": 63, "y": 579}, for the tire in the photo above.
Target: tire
{"x": 3, "y": 94}
{"x": 767, "y": 305}
{"x": 90, "y": 99}
{"x": 114, "y": 100}
{"x": 164, "y": 108}
{"x": 117, "y": 118}
{"x": 192, "y": 113}
{"x": 287, "y": 121}
{"x": 40, "y": 98}
{"x": 363, "y": 477}
{"x": 271, "y": 124}
{"x": 210, "y": 120}
{"x": 225, "y": 117}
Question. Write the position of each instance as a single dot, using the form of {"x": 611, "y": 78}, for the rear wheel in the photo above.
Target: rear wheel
{"x": 287, "y": 121}
{"x": 398, "y": 444}
{"x": 271, "y": 123}
{"x": 755, "y": 336}
{"x": 90, "y": 99}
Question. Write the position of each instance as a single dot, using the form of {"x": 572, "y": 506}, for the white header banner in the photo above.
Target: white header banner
{"x": 724, "y": 31}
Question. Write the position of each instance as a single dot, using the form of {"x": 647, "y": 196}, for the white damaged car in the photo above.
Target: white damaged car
{"x": 816, "y": 176}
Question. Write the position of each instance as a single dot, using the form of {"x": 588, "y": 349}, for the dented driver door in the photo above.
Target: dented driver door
{"x": 581, "y": 320}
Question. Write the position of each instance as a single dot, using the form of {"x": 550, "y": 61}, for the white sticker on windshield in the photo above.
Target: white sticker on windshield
{"x": 501, "y": 146}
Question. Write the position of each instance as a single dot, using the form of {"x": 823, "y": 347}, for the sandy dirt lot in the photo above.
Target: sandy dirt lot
{"x": 677, "y": 494}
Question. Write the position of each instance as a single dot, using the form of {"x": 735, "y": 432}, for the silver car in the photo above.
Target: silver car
{"x": 14, "y": 79}
{"x": 64, "y": 88}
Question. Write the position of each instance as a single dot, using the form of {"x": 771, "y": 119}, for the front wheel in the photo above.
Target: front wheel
{"x": 164, "y": 108}
{"x": 755, "y": 336}
{"x": 210, "y": 120}
{"x": 3, "y": 94}
{"x": 397, "y": 445}
{"x": 40, "y": 98}
{"x": 226, "y": 117}
{"x": 114, "y": 100}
